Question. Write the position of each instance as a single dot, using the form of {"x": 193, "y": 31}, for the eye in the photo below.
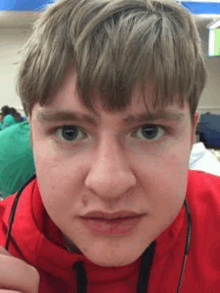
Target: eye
{"x": 149, "y": 132}
{"x": 70, "y": 133}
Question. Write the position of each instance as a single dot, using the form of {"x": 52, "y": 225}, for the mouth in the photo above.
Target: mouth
{"x": 119, "y": 223}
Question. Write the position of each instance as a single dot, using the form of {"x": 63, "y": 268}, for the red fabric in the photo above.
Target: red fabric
{"x": 37, "y": 240}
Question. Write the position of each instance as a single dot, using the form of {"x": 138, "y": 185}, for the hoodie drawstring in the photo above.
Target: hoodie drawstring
{"x": 144, "y": 272}
{"x": 143, "y": 277}
{"x": 80, "y": 278}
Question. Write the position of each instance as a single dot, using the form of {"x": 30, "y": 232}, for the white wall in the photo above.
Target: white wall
{"x": 210, "y": 98}
{"x": 11, "y": 40}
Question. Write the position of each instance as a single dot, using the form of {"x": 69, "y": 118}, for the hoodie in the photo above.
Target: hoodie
{"x": 36, "y": 240}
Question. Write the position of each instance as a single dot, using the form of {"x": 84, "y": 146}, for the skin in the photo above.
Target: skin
{"x": 15, "y": 282}
{"x": 109, "y": 167}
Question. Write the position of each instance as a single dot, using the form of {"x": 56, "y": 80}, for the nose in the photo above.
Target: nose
{"x": 110, "y": 175}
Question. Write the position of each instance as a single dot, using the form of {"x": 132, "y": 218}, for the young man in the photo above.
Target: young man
{"x": 111, "y": 89}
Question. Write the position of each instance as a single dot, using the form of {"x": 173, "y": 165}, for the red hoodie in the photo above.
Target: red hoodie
{"x": 36, "y": 240}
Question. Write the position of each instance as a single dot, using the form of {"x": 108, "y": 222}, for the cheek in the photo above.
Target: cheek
{"x": 164, "y": 178}
{"x": 58, "y": 191}
{"x": 60, "y": 174}
{"x": 61, "y": 179}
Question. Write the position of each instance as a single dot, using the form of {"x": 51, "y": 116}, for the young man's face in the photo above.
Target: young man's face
{"x": 110, "y": 164}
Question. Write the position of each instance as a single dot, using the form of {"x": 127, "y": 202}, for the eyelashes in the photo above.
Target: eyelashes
{"x": 146, "y": 132}
{"x": 149, "y": 132}
{"x": 70, "y": 133}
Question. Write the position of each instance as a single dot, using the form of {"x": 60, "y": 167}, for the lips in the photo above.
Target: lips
{"x": 110, "y": 216}
{"x": 118, "y": 223}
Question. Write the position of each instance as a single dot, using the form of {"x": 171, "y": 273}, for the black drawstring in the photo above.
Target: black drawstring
{"x": 146, "y": 263}
{"x": 144, "y": 272}
{"x": 80, "y": 278}
{"x": 13, "y": 209}
{"x": 187, "y": 244}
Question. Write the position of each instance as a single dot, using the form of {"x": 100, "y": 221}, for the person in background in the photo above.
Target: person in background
{"x": 16, "y": 159}
{"x": 16, "y": 115}
{"x": 8, "y": 121}
{"x": 5, "y": 111}
{"x": 10, "y": 117}
{"x": 7, "y": 117}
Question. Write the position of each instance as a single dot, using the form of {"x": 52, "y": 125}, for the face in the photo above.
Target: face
{"x": 92, "y": 167}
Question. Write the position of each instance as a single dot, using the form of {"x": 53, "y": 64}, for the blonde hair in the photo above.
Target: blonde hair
{"x": 114, "y": 45}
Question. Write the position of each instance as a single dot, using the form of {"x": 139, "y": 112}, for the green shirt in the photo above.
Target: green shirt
{"x": 8, "y": 121}
{"x": 16, "y": 159}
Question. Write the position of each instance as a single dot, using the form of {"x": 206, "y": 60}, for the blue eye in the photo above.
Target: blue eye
{"x": 150, "y": 132}
{"x": 69, "y": 133}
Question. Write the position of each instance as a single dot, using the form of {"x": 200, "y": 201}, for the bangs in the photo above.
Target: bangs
{"x": 136, "y": 49}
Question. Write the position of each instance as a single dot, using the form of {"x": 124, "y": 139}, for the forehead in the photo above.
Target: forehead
{"x": 67, "y": 99}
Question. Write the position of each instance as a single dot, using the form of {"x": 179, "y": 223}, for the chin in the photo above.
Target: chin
{"x": 112, "y": 263}
{"x": 113, "y": 260}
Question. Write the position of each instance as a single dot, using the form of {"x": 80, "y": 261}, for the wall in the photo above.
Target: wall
{"x": 210, "y": 99}
{"x": 11, "y": 41}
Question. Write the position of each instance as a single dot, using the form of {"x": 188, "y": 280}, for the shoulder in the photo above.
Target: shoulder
{"x": 203, "y": 186}
{"x": 16, "y": 131}
{"x": 8, "y": 118}
{"x": 4, "y": 204}
{"x": 203, "y": 198}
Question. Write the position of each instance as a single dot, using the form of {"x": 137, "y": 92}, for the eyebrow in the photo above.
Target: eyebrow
{"x": 65, "y": 116}
{"x": 69, "y": 116}
{"x": 148, "y": 116}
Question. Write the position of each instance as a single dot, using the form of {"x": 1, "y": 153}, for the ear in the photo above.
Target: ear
{"x": 195, "y": 120}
